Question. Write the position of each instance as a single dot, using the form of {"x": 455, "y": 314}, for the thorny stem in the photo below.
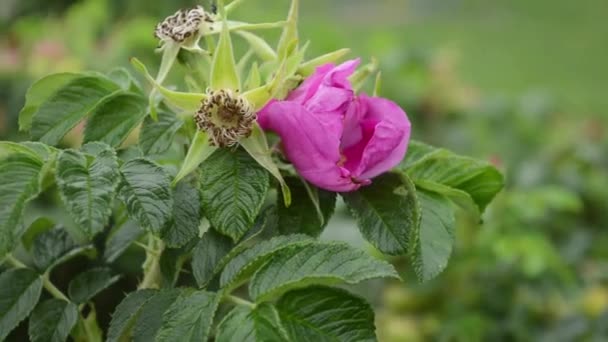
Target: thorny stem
{"x": 151, "y": 265}
{"x": 46, "y": 281}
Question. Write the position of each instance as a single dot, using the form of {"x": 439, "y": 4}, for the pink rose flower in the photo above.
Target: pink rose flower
{"x": 336, "y": 140}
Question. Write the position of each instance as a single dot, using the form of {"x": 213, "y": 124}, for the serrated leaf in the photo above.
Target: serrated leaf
{"x": 436, "y": 238}
{"x": 207, "y": 254}
{"x": 87, "y": 184}
{"x": 120, "y": 240}
{"x": 245, "y": 324}
{"x": 50, "y": 247}
{"x": 326, "y": 314}
{"x": 309, "y": 212}
{"x": 387, "y": 212}
{"x": 183, "y": 226}
{"x": 124, "y": 79}
{"x": 88, "y": 284}
{"x": 115, "y": 117}
{"x": 233, "y": 189}
{"x": 145, "y": 188}
{"x": 171, "y": 263}
{"x": 157, "y": 136}
{"x": 52, "y": 321}
{"x": 151, "y": 315}
{"x": 19, "y": 183}
{"x": 244, "y": 264}
{"x": 189, "y": 318}
{"x": 69, "y": 105}
{"x": 481, "y": 180}
{"x": 19, "y": 293}
{"x": 126, "y": 313}
{"x": 38, "y": 93}
{"x": 320, "y": 263}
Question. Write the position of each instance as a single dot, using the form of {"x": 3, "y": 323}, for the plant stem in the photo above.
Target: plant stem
{"x": 239, "y": 301}
{"x": 49, "y": 286}
{"x": 46, "y": 281}
{"x": 151, "y": 266}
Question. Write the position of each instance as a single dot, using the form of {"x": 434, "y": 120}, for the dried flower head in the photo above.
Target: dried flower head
{"x": 182, "y": 25}
{"x": 226, "y": 117}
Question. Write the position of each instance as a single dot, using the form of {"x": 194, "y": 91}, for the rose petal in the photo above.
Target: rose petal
{"x": 311, "y": 144}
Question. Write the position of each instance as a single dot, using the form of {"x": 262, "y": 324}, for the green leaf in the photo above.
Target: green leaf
{"x": 151, "y": 315}
{"x": 19, "y": 293}
{"x": 244, "y": 264}
{"x": 310, "y": 210}
{"x": 215, "y": 250}
{"x": 39, "y": 226}
{"x": 208, "y": 254}
{"x": 436, "y": 238}
{"x": 126, "y": 313}
{"x": 125, "y": 80}
{"x": 199, "y": 151}
{"x": 38, "y": 93}
{"x": 145, "y": 188}
{"x": 52, "y": 321}
{"x": 257, "y": 146}
{"x": 481, "y": 180}
{"x": 69, "y": 105}
{"x": 87, "y": 185}
{"x": 224, "y": 74}
{"x": 20, "y": 170}
{"x": 157, "y": 136}
{"x": 52, "y": 247}
{"x": 245, "y": 324}
{"x": 387, "y": 212}
{"x": 171, "y": 263}
{"x": 320, "y": 263}
{"x": 233, "y": 189}
{"x": 326, "y": 314}
{"x": 120, "y": 240}
{"x": 189, "y": 318}
{"x": 183, "y": 226}
{"x": 115, "y": 117}
{"x": 88, "y": 284}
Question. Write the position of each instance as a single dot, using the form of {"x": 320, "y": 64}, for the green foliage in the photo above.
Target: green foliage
{"x": 326, "y": 314}
{"x": 388, "y": 213}
{"x": 186, "y": 218}
{"x": 157, "y": 136}
{"x": 20, "y": 170}
{"x": 317, "y": 263}
{"x": 306, "y": 200}
{"x": 261, "y": 323}
{"x": 145, "y": 188}
{"x": 89, "y": 283}
{"x": 115, "y": 117}
{"x": 19, "y": 293}
{"x": 50, "y": 247}
{"x": 126, "y": 313}
{"x": 87, "y": 184}
{"x": 52, "y": 321}
{"x": 233, "y": 189}
{"x": 71, "y": 103}
{"x": 189, "y": 318}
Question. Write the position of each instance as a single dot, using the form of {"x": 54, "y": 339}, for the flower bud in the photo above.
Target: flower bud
{"x": 226, "y": 117}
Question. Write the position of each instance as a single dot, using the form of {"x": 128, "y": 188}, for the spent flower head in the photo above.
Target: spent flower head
{"x": 226, "y": 116}
{"x": 184, "y": 24}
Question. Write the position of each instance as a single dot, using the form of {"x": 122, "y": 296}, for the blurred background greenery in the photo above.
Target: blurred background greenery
{"x": 521, "y": 83}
